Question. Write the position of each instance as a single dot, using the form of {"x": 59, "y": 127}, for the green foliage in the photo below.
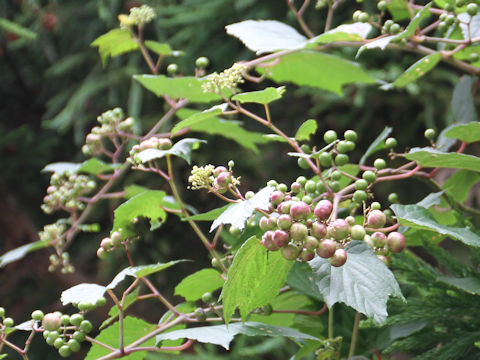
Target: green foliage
{"x": 194, "y": 286}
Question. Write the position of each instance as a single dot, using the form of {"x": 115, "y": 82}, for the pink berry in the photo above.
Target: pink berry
{"x": 323, "y": 209}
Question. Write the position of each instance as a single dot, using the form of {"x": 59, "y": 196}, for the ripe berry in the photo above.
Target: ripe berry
{"x": 290, "y": 252}
{"x": 379, "y": 164}
{"x": 357, "y": 232}
{"x": 472, "y": 9}
{"x": 391, "y": 142}
{"x": 341, "y": 159}
{"x": 296, "y": 187}
{"x": 339, "y": 229}
{"x": 202, "y": 62}
{"x": 319, "y": 230}
{"x": 277, "y": 197}
{"x": 323, "y": 209}
{"x": 339, "y": 258}
{"x": 361, "y": 184}
{"x": 8, "y": 322}
{"x": 298, "y": 232}
{"x": 325, "y": 159}
{"x": 284, "y": 221}
{"x": 302, "y": 163}
{"x": 326, "y": 248}
{"x": 393, "y": 198}
{"x": 330, "y": 136}
{"x": 300, "y": 210}
{"x": 281, "y": 237}
{"x": 369, "y": 176}
{"x": 51, "y": 321}
{"x": 430, "y": 133}
{"x": 395, "y": 241}
{"x": 37, "y": 315}
{"x": 376, "y": 219}
{"x": 307, "y": 255}
{"x": 267, "y": 241}
{"x": 172, "y": 69}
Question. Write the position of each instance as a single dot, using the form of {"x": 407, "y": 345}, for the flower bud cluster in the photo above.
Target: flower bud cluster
{"x": 215, "y": 179}
{"x": 141, "y": 15}
{"x": 227, "y": 79}
{"x": 64, "y": 190}
{"x": 151, "y": 143}
{"x": 112, "y": 122}
{"x": 110, "y": 243}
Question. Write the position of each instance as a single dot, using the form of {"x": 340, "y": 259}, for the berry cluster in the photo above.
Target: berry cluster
{"x": 151, "y": 143}
{"x": 110, "y": 243}
{"x": 7, "y": 322}
{"x": 113, "y": 123}
{"x": 227, "y": 79}
{"x": 64, "y": 190}
{"x": 215, "y": 179}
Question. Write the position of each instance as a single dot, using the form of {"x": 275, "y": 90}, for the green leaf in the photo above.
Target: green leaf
{"x": 419, "y": 218}
{"x": 415, "y": 22}
{"x": 468, "y": 133}
{"x": 459, "y": 184}
{"x": 96, "y": 166}
{"x": 250, "y": 283}
{"x": 114, "y": 43}
{"x": 417, "y": 70}
{"x": 238, "y": 213}
{"x": 301, "y": 279}
{"x": 21, "y": 252}
{"x": 377, "y": 144}
{"x": 186, "y": 87}
{"x": 223, "y": 335}
{"x": 429, "y": 157}
{"x": 113, "y": 312}
{"x": 135, "y": 329}
{"x": 431, "y": 199}
{"x": 17, "y": 29}
{"x": 62, "y": 167}
{"x": 194, "y": 286}
{"x": 262, "y": 36}
{"x": 199, "y": 117}
{"x": 364, "y": 283}
{"x": 209, "y": 215}
{"x": 140, "y": 271}
{"x": 83, "y": 292}
{"x": 229, "y": 129}
{"x": 307, "y": 68}
{"x": 381, "y": 43}
{"x": 134, "y": 190}
{"x": 263, "y": 97}
{"x": 398, "y": 9}
{"x": 356, "y": 32}
{"x": 147, "y": 204}
{"x": 468, "y": 284}
{"x": 182, "y": 149}
{"x": 418, "y": 237}
{"x": 162, "y": 48}
{"x": 305, "y": 130}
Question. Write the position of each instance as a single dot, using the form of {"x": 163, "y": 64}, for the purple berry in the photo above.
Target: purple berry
{"x": 280, "y": 238}
{"x": 223, "y": 179}
{"x": 326, "y": 248}
{"x": 307, "y": 255}
{"x": 339, "y": 258}
{"x": 298, "y": 231}
{"x": 267, "y": 241}
{"x": 396, "y": 241}
{"x": 339, "y": 229}
{"x": 379, "y": 239}
{"x": 290, "y": 252}
{"x": 319, "y": 230}
{"x": 376, "y": 219}
{"x": 323, "y": 209}
{"x": 300, "y": 210}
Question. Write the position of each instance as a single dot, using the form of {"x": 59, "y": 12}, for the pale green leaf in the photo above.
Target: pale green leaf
{"x": 223, "y": 335}
{"x": 250, "y": 283}
{"x": 377, "y": 144}
{"x": 467, "y": 284}
{"x": 194, "y": 286}
{"x": 308, "y": 68}
{"x": 263, "y": 97}
{"x": 17, "y": 29}
{"x": 147, "y": 204}
{"x": 162, "y": 48}
{"x": 115, "y": 42}
{"x": 419, "y": 218}
{"x": 135, "y": 329}
{"x": 83, "y": 292}
{"x": 459, "y": 184}
{"x": 417, "y": 70}
{"x": 305, "y": 130}
{"x": 262, "y": 36}
{"x": 364, "y": 283}
{"x": 381, "y": 44}
{"x": 468, "y": 133}
{"x": 398, "y": 9}
{"x": 182, "y": 149}
{"x": 21, "y": 252}
{"x": 96, "y": 166}
{"x": 238, "y": 213}
{"x": 355, "y": 32}
{"x": 186, "y": 87}
{"x": 199, "y": 117}
{"x": 62, "y": 167}
{"x": 415, "y": 22}
{"x": 429, "y": 157}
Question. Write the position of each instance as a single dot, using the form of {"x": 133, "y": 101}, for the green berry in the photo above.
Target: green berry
{"x": 350, "y": 145}
{"x": 395, "y": 28}
{"x": 2, "y": 312}
{"x": 460, "y": 3}
{"x": 361, "y": 184}
{"x": 282, "y": 187}
{"x": 267, "y": 310}
{"x": 430, "y": 133}
{"x": 325, "y": 159}
{"x": 335, "y": 186}
{"x": 450, "y": 19}
{"x": 79, "y": 336}
{"x": 202, "y": 62}
{"x": 442, "y": 27}
{"x": 350, "y": 135}
{"x": 391, "y": 142}
{"x": 356, "y": 15}
{"x": 172, "y": 69}
{"x": 51, "y": 321}
{"x": 307, "y": 199}
{"x": 388, "y": 24}
{"x": 330, "y": 136}
{"x": 86, "y": 326}
{"x": 302, "y": 180}
{"x": 472, "y": 9}
{"x": 363, "y": 17}
{"x": 65, "y": 351}
{"x": 473, "y": 57}
{"x": 359, "y": 196}
{"x": 303, "y": 163}
{"x": 200, "y": 314}
{"x": 272, "y": 183}
{"x": 449, "y": 7}
{"x": 369, "y": 176}
{"x": 84, "y": 306}
{"x": 357, "y": 232}
{"x": 8, "y": 322}
{"x": 393, "y": 198}
{"x": 37, "y": 315}
{"x": 249, "y": 194}
{"x": 375, "y": 205}
{"x": 235, "y": 231}
{"x": 336, "y": 175}
{"x": 101, "y": 302}
{"x": 388, "y": 213}
{"x": 343, "y": 147}
{"x": 341, "y": 159}
{"x": 74, "y": 345}
{"x": 58, "y": 343}
{"x": 65, "y": 319}
{"x": 320, "y": 187}
{"x": 306, "y": 148}
{"x": 76, "y": 319}
{"x": 310, "y": 186}
{"x": 379, "y": 164}
{"x": 382, "y": 5}
{"x": 207, "y": 297}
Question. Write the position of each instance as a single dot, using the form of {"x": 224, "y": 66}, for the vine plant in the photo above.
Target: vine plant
{"x": 324, "y": 237}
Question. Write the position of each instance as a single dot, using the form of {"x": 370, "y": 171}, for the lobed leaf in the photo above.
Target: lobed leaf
{"x": 195, "y": 285}
{"x": 114, "y": 43}
{"x": 429, "y": 157}
{"x": 83, "y": 292}
{"x": 182, "y": 149}
{"x": 305, "y": 130}
{"x": 263, "y": 97}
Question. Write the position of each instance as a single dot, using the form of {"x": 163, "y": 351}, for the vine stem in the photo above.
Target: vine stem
{"x": 330, "y": 322}
{"x": 353, "y": 342}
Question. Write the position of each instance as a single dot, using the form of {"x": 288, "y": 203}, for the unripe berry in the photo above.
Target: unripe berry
{"x": 172, "y": 69}
{"x": 307, "y": 255}
{"x": 223, "y": 179}
{"x": 341, "y": 159}
{"x": 391, "y": 142}
{"x": 8, "y": 322}
{"x": 207, "y": 297}
{"x": 290, "y": 252}
{"x": 302, "y": 163}
{"x": 395, "y": 241}
{"x": 65, "y": 319}
{"x": 430, "y": 133}
{"x": 310, "y": 186}
{"x": 339, "y": 229}
{"x": 363, "y": 17}
{"x": 369, "y": 241}
{"x": 361, "y": 184}
{"x": 379, "y": 239}
{"x": 310, "y": 243}
{"x": 202, "y": 62}
{"x": 376, "y": 219}
{"x": 73, "y": 345}
{"x": 359, "y": 196}
{"x": 64, "y": 351}
{"x": 330, "y": 136}
{"x": 267, "y": 310}
{"x": 235, "y": 231}
{"x": 51, "y": 321}
{"x": 323, "y": 209}
{"x": 101, "y": 302}
{"x": 101, "y": 253}
{"x": 284, "y": 221}
{"x": 375, "y": 205}
{"x": 319, "y": 230}
{"x": 58, "y": 343}
{"x": 384, "y": 259}
{"x": 395, "y": 28}
{"x": 350, "y": 220}
{"x": 306, "y": 148}
{"x": 342, "y": 147}
{"x": 265, "y": 223}
{"x": 296, "y": 187}
{"x": 282, "y": 187}
{"x": 79, "y": 336}
{"x": 76, "y": 319}
{"x": 106, "y": 244}
{"x": 298, "y": 232}
{"x": 86, "y": 326}
{"x": 472, "y": 9}
{"x": 300, "y": 210}
{"x": 284, "y": 207}
{"x": 357, "y": 232}
{"x": 325, "y": 159}
{"x": 369, "y": 176}
{"x": 379, "y": 164}
{"x": 339, "y": 258}
{"x": 336, "y": 175}
{"x": 164, "y": 143}
{"x": 393, "y": 198}
{"x": 302, "y": 180}
{"x": 473, "y": 57}
{"x": 281, "y": 238}
{"x": 249, "y": 195}
{"x": 350, "y": 135}
{"x": 382, "y": 5}
{"x": 200, "y": 314}
{"x": 37, "y": 315}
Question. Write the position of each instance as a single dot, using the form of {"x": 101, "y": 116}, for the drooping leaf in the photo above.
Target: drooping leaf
{"x": 162, "y": 48}
{"x": 147, "y": 204}
{"x": 209, "y": 215}
{"x": 17, "y": 29}
{"x": 262, "y": 36}
{"x": 185, "y": 87}
{"x": 305, "y": 130}
{"x": 307, "y": 68}
{"x": 377, "y": 144}
{"x": 194, "y": 286}
{"x": 113, "y": 312}
{"x": 115, "y": 42}
{"x": 21, "y": 252}
{"x": 223, "y": 335}
{"x": 264, "y": 96}
{"x": 140, "y": 271}
{"x": 355, "y": 32}
{"x": 199, "y": 117}
{"x": 467, "y": 284}
{"x": 62, "y": 167}
{"x": 417, "y": 70}
{"x": 468, "y": 133}
{"x": 459, "y": 184}
{"x": 136, "y": 328}
{"x": 238, "y": 213}
{"x": 364, "y": 283}
{"x": 250, "y": 283}
{"x": 83, "y": 292}
{"x": 429, "y": 157}
{"x": 419, "y": 218}
{"x": 182, "y": 149}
